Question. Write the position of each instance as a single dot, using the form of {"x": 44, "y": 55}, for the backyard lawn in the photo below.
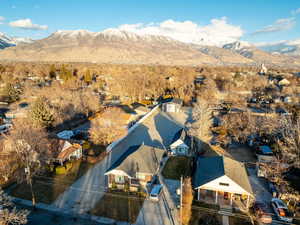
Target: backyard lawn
{"x": 119, "y": 207}
{"x": 176, "y": 167}
{"x": 48, "y": 188}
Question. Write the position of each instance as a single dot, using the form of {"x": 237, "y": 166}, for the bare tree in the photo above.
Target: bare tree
{"x": 202, "y": 122}
{"x": 289, "y": 141}
{"x": 8, "y": 212}
{"x": 108, "y": 127}
{"x": 29, "y": 143}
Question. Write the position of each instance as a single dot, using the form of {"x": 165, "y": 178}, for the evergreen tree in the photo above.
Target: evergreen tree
{"x": 11, "y": 93}
{"x": 41, "y": 113}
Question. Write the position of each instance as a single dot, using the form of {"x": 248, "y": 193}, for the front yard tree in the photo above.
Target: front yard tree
{"x": 108, "y": 127}
{"x": 289, "y": 141}
{"x": 202, "y": 122}
{"x": 9, "y": 214}
{"x": 29, "y": 144}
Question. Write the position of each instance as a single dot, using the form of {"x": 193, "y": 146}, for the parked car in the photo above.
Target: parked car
{"x": 273, "y": 190}
{"x": 281, "y": 210}
{"x": 261, "y": 214}
{"x": 155, "y": 192}
{"x": 264, "y": 153}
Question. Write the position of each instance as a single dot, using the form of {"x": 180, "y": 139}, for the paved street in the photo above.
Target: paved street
{"x": 81, "y": 197}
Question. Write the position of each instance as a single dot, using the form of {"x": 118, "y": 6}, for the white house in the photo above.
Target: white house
{"x": 180, "y": 143}
{"x": 222, "y": 179}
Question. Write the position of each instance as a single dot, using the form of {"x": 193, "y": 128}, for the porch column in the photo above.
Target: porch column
{"x": 216, "y": 197}
{"x": 198, "y": 197}
{"x": 231, "y": 194}
{"x": 248, "y": 198}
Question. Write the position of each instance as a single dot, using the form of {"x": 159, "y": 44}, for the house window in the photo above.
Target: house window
{"x": 140, "y": 176}
{"x": 119, "y": 179}
{"x": 223, "y": 184}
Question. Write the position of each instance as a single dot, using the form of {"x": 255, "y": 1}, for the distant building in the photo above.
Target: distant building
{"x": 180, "y": 143}
{"x": 220, "y": 179}
{"x": 135, "y": 168}
{"x": 173, "y": 105}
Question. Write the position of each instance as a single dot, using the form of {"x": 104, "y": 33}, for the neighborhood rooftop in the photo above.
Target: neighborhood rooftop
{"x": 211, "y": 168}
{"x": 139, "y": 158}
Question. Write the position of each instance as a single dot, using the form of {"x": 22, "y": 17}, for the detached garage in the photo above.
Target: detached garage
{"x": 172, "y": 106}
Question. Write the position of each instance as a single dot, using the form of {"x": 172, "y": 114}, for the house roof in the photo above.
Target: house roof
{"x": 139, "y": 158}
{"x": 181, "y": 135}
{"x": 65, "y": 153}
{"x": 211, "y": 168}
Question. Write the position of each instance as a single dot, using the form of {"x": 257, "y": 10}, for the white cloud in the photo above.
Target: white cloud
{"x": 278, "y": 25}
{"x": 27, "y": 24}
{"x": 1, "y": 19}
{"x": 296, "y": 11}
{"x": 217, "y": 32}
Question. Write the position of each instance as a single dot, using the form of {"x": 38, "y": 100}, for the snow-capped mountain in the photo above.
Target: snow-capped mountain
{"x": 291, "y": 48}
{"x": 120, "y": 46}
{"x": 6, "y": 41}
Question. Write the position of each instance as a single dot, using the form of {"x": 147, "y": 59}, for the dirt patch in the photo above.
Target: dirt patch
{"x": 119, "y": 207}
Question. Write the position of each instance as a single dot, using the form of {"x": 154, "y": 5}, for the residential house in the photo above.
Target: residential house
{"x": 220, "y": 180}
{"x": 65, "y": 151}
{"x": 173, "y": 105}
{"x": 180, "y": 143}
{"x": 135, "y": 168}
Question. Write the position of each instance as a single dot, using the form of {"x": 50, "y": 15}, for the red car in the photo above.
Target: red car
{"x": 260, "y": 211}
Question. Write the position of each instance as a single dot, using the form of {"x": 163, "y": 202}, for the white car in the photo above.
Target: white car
{"x": 155, "y": 192}
{"x": 281, "y": 210}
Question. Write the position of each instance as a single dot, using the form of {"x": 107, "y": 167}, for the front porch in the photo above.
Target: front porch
{"x": 224, "y": 199}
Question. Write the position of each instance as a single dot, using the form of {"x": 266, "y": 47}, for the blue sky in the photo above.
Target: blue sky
{"x": 258, "y": 20}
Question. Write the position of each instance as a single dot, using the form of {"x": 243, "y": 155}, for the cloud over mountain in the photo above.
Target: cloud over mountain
{"x": 27, "y": 24}
{"x": 278, "y": 25}
{"x": 217, "y": 32}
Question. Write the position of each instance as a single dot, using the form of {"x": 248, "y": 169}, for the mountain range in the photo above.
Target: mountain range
{"x": 118, "y": 46}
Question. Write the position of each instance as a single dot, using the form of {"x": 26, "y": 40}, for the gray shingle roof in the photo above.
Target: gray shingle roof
{"x": 210, "y": 168}
{"x": 140, "y": 158}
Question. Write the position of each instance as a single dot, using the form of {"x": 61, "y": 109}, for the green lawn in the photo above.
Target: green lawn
{"x": 119, "y": 207}
{"x": 47, "y": 188}
{"x": 176, "y": 167}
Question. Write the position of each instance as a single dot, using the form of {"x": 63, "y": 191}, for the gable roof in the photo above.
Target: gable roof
{"x": 138, "y": 158}
{"x": 211, "y": 168}
{"x": 180, "y": 135}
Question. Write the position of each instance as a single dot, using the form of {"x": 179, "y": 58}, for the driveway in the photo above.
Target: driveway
{"x": 157, "y": 130}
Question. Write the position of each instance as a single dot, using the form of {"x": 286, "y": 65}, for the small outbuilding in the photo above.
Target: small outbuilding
{"x": 173, "y": 105}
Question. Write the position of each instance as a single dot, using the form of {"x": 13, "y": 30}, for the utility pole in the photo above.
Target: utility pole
{"x": 181, "y": 179}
